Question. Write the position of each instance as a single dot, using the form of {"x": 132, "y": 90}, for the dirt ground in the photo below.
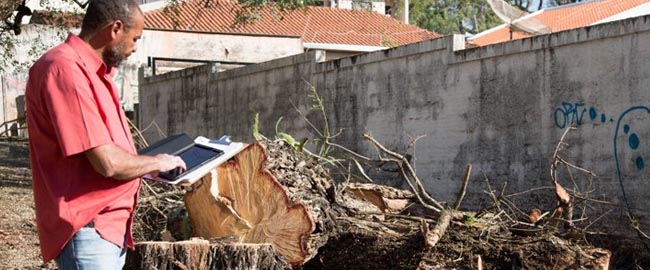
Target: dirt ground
{"x": 19, "y": 248}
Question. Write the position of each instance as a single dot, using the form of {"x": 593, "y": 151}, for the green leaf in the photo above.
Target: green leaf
{"x": 288, "y": 138}
{"x": 256, "y": 128}
{"x": 301, "y": 145}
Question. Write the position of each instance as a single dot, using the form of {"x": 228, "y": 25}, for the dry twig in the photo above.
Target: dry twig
{"x": 468, "y": 172}
{"x": 403, "y": 163}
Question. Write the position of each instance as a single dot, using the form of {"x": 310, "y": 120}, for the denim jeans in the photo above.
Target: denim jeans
{"x": 88, "y": 251}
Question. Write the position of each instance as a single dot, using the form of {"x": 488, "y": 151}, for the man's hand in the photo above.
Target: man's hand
{"x": 111, "y": 161}
{"x": 168, "y": 163}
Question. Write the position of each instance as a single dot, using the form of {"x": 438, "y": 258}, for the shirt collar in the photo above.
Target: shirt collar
{"x": 87, "y": 56}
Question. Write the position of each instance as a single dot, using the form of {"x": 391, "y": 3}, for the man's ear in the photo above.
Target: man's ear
{"x": 116, "y": 28}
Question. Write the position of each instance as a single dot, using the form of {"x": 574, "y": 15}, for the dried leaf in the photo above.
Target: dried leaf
{"x": 561, "y": 194}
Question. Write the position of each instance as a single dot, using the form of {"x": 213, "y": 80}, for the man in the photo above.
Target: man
{"x": 85, "y": 167}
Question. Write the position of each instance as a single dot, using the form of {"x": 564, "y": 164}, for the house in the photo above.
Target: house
{"x": 565, "y": 17}
{"x": 339, "y": 32}
{"x": 392, "y": 8}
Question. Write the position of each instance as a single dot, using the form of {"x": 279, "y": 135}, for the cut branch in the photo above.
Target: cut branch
{"x": 404, "y": 163}
{"x": 468, "y": 172}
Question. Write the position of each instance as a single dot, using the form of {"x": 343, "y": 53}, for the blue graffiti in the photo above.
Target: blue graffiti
{"x": 569, "y": 114}
{"x": 592, "y": 113}
{"x": 632, "y": 139}
{"x": 573, "y": 114}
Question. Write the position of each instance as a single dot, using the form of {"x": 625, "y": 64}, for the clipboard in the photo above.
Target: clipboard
{"x": 200, "y": 155}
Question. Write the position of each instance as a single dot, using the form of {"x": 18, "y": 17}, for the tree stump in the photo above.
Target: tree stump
{"x": 243, "y": 198}
{"x": 202, "y": 255}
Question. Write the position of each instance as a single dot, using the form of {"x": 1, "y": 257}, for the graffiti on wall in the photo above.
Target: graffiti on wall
{"x": 577, "y": 114}
{"x": 627, "y": 147}
{"x": 627, "y": 142}
{"x": 573, "y": 114}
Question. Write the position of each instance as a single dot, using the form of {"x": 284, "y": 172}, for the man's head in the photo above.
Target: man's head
{"x": 116, "y": 25}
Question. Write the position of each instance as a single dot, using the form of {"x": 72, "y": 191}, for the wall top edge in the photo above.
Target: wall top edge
{"x": 558, "y": 39}
{"x": 312, "y": 56}
{"x": 447, "y": 43}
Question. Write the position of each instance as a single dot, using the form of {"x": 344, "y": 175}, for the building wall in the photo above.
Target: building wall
{"x": 371, "y": 5}
{"x": 501, "y": 108}
{"x": 217, "y": 47}
{"x": 15, "y": 62}
{"x": 37, "y": 39}
{"x": 203, "y": 46}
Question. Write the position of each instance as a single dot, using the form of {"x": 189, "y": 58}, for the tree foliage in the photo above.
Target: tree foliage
{"x": 466, "y": 16}
{"x": 452, "y": 16}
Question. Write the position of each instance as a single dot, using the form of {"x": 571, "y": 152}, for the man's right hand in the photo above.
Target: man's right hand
{"x": 167, "y": 163}
{"x": 112, "y": 161}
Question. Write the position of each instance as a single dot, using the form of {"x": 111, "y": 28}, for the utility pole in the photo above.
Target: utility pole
{"x": 406, "y": 11}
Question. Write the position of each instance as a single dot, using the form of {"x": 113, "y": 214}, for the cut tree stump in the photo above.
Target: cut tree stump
{"x": 243, "y": 198}
{"x": 198, "y": 254}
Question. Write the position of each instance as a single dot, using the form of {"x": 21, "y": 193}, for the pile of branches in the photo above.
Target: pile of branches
{"x": 499, "y": 236}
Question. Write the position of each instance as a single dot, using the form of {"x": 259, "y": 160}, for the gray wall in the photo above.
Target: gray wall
{"x": 501, "y": 107}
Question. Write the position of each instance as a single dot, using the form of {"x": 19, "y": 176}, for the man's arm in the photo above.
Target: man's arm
{"x": 112, "y": 161}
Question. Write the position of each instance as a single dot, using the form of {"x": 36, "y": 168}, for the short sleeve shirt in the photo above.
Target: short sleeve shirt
{"x": 72, "y": 107}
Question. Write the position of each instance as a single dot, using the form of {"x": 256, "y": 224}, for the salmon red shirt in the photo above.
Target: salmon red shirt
{"x": 72, "y": 106}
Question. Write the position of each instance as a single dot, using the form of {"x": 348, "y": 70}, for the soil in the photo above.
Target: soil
{"x": 19, "y": 248}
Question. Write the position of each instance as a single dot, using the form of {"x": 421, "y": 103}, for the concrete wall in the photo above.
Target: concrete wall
{"x": 501, "y": 107}
{"x": 200, "y": 46}
{"x": 29, "y": 45}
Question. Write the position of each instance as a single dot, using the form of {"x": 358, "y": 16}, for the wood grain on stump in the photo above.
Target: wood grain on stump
{"x": 203, "y": 255}
{"x": 242, "y": 198}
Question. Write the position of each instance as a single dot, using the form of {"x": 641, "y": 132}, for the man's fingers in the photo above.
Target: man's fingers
{"x": 181, "y": 163}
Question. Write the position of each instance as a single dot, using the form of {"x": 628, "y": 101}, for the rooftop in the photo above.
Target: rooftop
{"x": 561, "y": 18}
{"x": 313, "y": 24}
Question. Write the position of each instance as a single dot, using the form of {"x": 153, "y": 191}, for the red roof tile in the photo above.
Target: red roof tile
{"x": 313, "y": 25}
{"x": 561, "y": 18}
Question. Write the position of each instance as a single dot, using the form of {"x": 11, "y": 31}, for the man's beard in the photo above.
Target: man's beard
{"x": 114, "y": 56}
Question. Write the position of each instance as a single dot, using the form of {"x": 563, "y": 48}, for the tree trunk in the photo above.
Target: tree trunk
{"x": 202, "y": 255}
{"x": 243, "y": 198}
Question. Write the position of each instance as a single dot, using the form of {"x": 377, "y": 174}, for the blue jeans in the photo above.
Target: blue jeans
{"x": 88, "y": 251}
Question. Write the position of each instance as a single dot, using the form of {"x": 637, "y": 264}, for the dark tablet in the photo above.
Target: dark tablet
{"x": 194, "y": 157}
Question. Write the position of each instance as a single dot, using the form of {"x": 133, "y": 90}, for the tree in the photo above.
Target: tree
{"x": 466, "y": 16}
{"x": 452, "y": 16}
